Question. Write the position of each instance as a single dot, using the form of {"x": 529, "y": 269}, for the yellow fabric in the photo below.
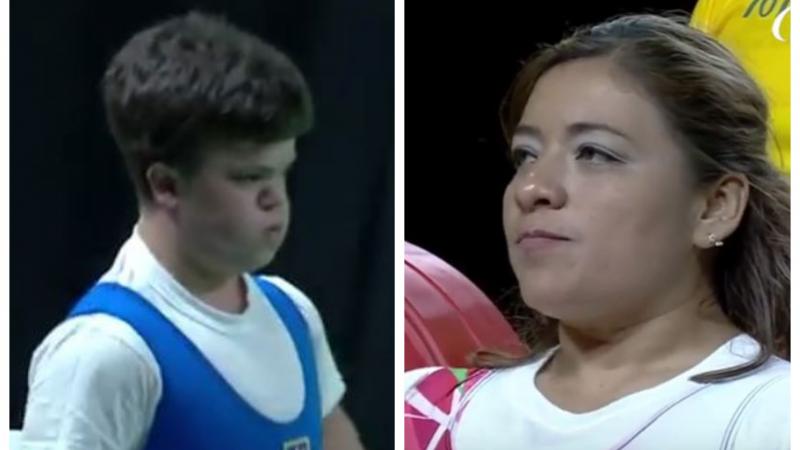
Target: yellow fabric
{"x": 757, "y": 31}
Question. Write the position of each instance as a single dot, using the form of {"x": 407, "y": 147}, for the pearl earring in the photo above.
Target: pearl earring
{"x": 714, "y": 241}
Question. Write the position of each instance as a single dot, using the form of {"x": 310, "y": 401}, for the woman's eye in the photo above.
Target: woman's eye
{"x": 522, "y": 155}
{"x": 594, "y": 153}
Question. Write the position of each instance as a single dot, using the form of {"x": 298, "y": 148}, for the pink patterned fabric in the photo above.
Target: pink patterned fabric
{"x": 435, "y": 405}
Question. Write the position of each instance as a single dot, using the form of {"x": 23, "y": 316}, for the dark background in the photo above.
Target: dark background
{"x": 459, "y": 64}
{"x": 72, "y": 206}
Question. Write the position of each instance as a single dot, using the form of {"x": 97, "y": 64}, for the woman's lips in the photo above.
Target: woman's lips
{"x": 538, "y": 239}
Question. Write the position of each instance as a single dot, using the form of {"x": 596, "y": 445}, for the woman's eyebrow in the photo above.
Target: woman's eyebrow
{"x": 574, "y": 129}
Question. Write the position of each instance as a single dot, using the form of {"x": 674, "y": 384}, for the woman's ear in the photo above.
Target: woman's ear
{"x": 722, "y": 207}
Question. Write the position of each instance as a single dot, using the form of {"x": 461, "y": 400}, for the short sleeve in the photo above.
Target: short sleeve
{"x": 91, "y": 387}
{"x": 331, "y": 384}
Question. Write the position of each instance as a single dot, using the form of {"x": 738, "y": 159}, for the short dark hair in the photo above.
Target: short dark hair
{"x": 195, "y": 79}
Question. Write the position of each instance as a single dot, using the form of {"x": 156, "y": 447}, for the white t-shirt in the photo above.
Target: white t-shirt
{"x": 95, "y": 384}
{"x": 507, "y": 411}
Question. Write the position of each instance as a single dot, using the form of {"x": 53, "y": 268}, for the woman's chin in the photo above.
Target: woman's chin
{"x": 556, "y": 303}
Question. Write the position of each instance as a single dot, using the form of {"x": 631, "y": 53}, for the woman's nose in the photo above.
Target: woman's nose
{"x": 540, "y": 186}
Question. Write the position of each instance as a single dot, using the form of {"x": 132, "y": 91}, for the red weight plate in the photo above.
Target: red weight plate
{"x": 447, "y": 317}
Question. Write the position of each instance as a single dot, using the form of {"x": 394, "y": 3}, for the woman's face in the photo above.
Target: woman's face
{"x": 599, "y": 216}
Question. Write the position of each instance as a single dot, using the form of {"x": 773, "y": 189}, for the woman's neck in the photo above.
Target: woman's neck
{"x": 671, "y": 340}
{"x": 594, "y": 367}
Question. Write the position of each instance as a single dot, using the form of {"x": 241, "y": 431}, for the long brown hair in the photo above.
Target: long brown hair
{"x": 721, "y": 117}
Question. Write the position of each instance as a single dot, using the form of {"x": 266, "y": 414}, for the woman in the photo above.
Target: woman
{"x": 650, "y": 238}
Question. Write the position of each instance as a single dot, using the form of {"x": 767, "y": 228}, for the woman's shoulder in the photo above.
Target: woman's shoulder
{"x": 753, "y": 409}
{"x": 763, "y": 415}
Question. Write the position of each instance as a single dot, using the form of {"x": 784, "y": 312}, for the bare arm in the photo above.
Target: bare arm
{"x": 339, "y": 433}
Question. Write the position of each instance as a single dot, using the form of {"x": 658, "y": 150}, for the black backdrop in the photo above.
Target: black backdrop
{"x": 71, "y": 205}
{"x": 459, "y": 64}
